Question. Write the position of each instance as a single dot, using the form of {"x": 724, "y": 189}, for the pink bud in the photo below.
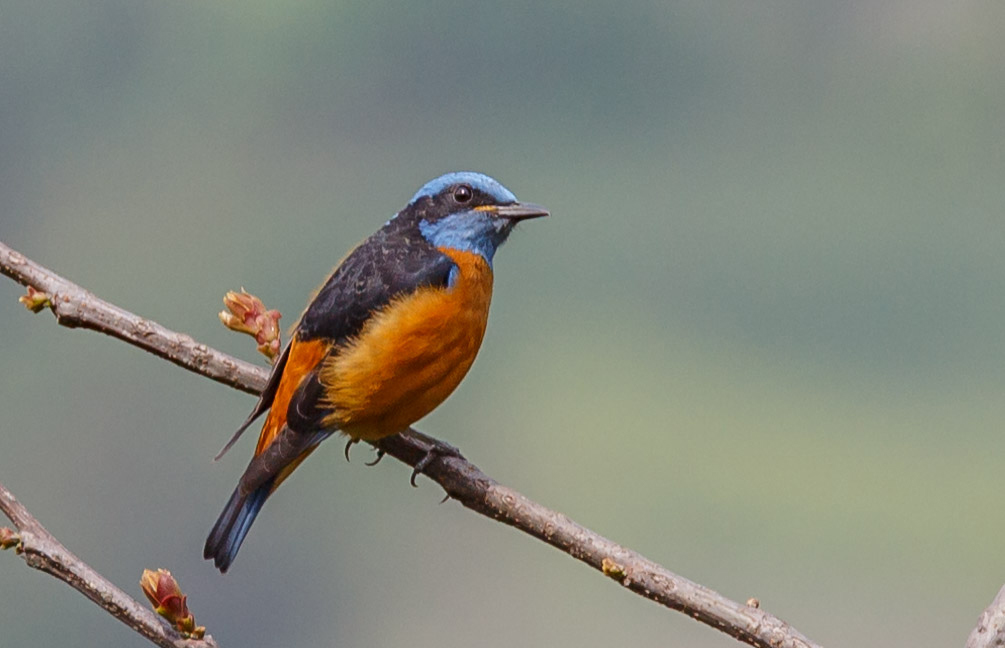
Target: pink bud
{"x": 244, "y": 309}
{"x": 167, "y": 599}
{"x": 247, "y": 314}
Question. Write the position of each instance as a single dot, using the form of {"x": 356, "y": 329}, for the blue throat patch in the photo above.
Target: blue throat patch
{"x": 470, "y": 231}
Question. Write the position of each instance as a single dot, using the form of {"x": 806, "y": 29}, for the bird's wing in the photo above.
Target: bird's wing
{"x": 265, "y": 399}
{"x": 298, "y": 406}
{"x": 287, "y": 438}
{"x": 378, "y": 270}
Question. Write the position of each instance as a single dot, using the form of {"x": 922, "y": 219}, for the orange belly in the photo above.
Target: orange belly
{"x": 411, "y": 355}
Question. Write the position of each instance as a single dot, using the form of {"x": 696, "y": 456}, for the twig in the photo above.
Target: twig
{"x": 43, "y": 552}
{"x": 75, "y": 307}
{"x": 990, "y": 630}
{"x": 462, "y": 480}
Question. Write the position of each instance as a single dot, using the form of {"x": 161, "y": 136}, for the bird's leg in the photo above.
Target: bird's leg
{"x": 436, "y": 449}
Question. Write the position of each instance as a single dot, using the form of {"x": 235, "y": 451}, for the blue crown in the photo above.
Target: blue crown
{"x": 477, "y": 181}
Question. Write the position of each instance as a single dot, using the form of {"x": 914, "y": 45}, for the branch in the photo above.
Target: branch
{"x": 43, "y": 552}
{"x": 990, "y": 630}
{"x": 75, "y": 307}
{"x": 462, "y": 480}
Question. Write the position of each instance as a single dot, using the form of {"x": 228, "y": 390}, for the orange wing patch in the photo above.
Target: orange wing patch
{"x": 304, "y": 358}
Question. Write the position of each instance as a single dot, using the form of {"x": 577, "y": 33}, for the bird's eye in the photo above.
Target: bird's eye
{"x": 463, "y": 193}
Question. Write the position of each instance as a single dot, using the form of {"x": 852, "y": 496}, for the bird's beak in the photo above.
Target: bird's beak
{"x": 519, "y": 211}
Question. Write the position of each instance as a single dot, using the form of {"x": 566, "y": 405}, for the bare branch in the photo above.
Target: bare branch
{"x": 461, "y": 479}
{"x": 990, "y": 630}
{"x": 43, "y": 552}
{"x": 76, "y": 307}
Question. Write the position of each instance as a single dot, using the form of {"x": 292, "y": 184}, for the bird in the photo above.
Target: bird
{"x": 386, "y": 339}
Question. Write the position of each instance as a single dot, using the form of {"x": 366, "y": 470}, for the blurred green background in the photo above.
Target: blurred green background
{"x": 760, "y": 339}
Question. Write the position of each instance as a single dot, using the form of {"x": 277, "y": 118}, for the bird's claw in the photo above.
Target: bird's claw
{"x": 349, "y": 444}
{"x": 436, "y": 449}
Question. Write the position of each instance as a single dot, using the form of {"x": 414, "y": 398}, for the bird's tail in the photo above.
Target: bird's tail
{"x": 232, "y": 526}
{"x": 264, "y": 474}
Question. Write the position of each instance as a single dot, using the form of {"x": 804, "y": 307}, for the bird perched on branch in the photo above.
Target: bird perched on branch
{"x": 387, "y": 338}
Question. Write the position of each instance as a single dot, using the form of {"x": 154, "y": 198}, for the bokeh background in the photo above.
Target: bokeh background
{"x": 760, "y": 339}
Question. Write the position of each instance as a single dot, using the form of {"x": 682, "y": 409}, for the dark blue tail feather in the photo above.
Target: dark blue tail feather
{"x": 233, "y": 524}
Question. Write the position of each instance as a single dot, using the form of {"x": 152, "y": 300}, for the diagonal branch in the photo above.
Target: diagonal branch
{"x": 76, "y": 307}
{"x": 990, "y": 630}
{"x": 43, "y": 552}
{"x": 461, "y": 479}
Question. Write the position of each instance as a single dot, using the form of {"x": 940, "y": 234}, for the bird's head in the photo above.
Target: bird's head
{"x": 468, "y": 211}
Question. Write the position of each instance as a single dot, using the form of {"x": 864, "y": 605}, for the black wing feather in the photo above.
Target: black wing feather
{"x": 377, "y": 271}
{"x": 264, "y": 400}
{"x": 305, "y": 413}
{"x": 303, "y": 430}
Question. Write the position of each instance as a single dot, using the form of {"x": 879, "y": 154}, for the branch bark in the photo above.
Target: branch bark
{"x": 990, "y": 630}
{"x": 462, "y": 480}
{"x": 43, "y": 552}
{"x": 76, "y": 307}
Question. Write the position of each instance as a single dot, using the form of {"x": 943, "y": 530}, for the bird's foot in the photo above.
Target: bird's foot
{"x": 351, "y": 442}
{"x": 436, "y": 449}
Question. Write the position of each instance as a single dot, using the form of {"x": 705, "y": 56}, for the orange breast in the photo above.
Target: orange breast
{"x": 411, "y": 355}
